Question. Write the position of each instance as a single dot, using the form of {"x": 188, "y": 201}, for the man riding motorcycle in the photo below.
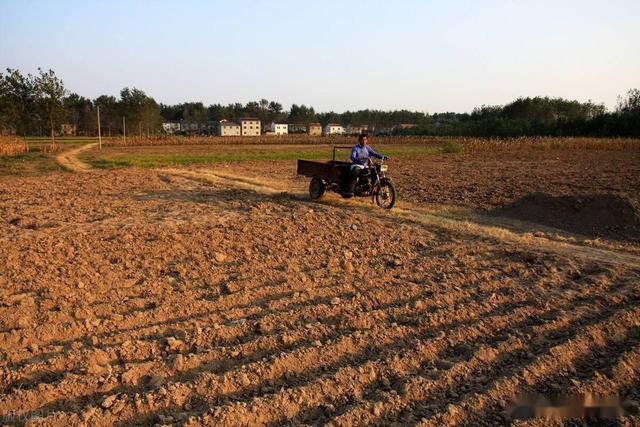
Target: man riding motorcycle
{"x": 360, "y": 158}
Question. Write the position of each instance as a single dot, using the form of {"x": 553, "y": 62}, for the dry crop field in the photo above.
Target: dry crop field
{"x": 10, "y": 146}
{"x": 216, "y": 293}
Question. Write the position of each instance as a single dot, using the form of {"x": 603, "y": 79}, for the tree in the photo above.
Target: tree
{"x": 17, "y": 102}
{"x": 194, "y": 112}
{"x": 79, "y": 111}
{"x": 330, "y": 117}
{"x": 264, "y": 104}
{"x": 50, "y": 94}
{"x": 631, "y": 104}
{"x": 275, "y": 112}
{"x": 7, "y": 113}
{"x": 109, "y": 114}
{"x": 140, "y": 109}
{"x": 217, "y": 112}
{"x": 172, "y": 112}
{"x": 252, "y": 109}
{"x": 301, "y": 114}
{"x": 626, "y": 121}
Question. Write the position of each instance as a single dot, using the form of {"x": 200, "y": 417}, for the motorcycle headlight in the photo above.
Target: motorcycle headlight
{"x": 384, "y": 168}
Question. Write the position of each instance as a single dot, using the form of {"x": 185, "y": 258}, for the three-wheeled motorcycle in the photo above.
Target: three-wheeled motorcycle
{"x": 335, "y": 175}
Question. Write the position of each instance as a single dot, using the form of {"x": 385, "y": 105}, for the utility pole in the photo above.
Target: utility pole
{"x": 124, "y": 129}
{"x": 99, "y": 134}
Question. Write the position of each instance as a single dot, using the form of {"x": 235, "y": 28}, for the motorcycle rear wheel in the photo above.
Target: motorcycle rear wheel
{"x": 316, "y": 188}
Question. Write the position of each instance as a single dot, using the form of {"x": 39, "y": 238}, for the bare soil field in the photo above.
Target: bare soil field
{"x": 186, "y": 297}
{"x": 593, "y": 193}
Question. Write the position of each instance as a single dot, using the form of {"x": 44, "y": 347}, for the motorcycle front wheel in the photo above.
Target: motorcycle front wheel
{"x": 386, "y": 195}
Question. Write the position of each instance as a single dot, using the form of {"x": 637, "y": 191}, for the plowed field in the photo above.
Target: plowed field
{"x": 141, "y": 297}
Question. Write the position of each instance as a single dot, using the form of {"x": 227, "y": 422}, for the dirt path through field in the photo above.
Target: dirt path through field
{"x": 523, "y": 236}
{"x": 476, "y": 225}
{"x": 69, "y": 159}
{"x": 234, "y": 181}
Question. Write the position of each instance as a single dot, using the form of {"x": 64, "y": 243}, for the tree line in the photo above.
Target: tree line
{"x": 538, "y": 116}
{"x": 39, "y": 104}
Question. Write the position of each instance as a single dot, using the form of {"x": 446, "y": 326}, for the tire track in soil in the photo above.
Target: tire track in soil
{"x": 417, "y": 215}
{"x": 69, "y": 160}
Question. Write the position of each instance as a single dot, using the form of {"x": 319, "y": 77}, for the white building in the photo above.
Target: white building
{"x": 228, "y": 129}
{"x": 333, "y": 129}
{"x": 277, "y": 128}
{"x": 171, "y": 127}
{"x": 250, "y": 126}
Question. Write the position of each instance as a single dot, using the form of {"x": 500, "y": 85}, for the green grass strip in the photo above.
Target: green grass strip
{"x": 187, "y": 159}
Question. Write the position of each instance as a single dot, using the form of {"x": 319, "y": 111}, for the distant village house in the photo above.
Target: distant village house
{"x": 315, "y": 129}
{"x": 250, "y": 126}
{"x": 229, "y": 129}
{"x": 68, "y": 129}
{"x": 171, "y": 127}
{"x": 333, "y": 129}
{"x": 277, "y": 128}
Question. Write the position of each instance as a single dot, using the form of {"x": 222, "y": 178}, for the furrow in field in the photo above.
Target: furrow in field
{"x": 593, "y": 337}
{"x": 246, "y": 345}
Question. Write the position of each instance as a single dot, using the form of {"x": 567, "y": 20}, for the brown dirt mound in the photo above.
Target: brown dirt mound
{"x": 594, "y": 215}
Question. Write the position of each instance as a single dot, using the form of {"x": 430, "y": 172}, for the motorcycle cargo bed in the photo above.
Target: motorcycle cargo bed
{"x": 332, "y": 171}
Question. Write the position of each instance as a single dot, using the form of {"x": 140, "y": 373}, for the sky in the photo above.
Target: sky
{"x": 431, "y": 56}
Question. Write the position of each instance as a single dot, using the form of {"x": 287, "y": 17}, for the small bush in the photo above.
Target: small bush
{"x": 452, "y": 147}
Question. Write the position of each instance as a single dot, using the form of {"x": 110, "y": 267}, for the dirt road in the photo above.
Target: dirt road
{"x": 69, "y": 159}
{"x": 143, "y": 297}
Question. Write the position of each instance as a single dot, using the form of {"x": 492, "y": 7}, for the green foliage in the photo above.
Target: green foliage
{"x": 452, "y": 147}
{"x": 630, "y": 105}
{"x": 80, "y": 112}
{"x": 110, "y": 116}
{"x": 196, "y": 112}
{"x": 170, "y": 157}
{"x": 18, "y": 112}
{"x": 140, "y": 110}
{"x": 31, "y": 102}
{"x": 538, "y": 117}
{"x": 302, "y": 114}
{"x": 32, "y": 163}
{"x": 29, "y": 105}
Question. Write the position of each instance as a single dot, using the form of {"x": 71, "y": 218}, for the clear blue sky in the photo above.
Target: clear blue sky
{"x": 429, "y": 56}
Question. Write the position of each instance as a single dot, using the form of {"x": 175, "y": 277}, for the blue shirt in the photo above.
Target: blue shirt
{"x": 359, "y": 155}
